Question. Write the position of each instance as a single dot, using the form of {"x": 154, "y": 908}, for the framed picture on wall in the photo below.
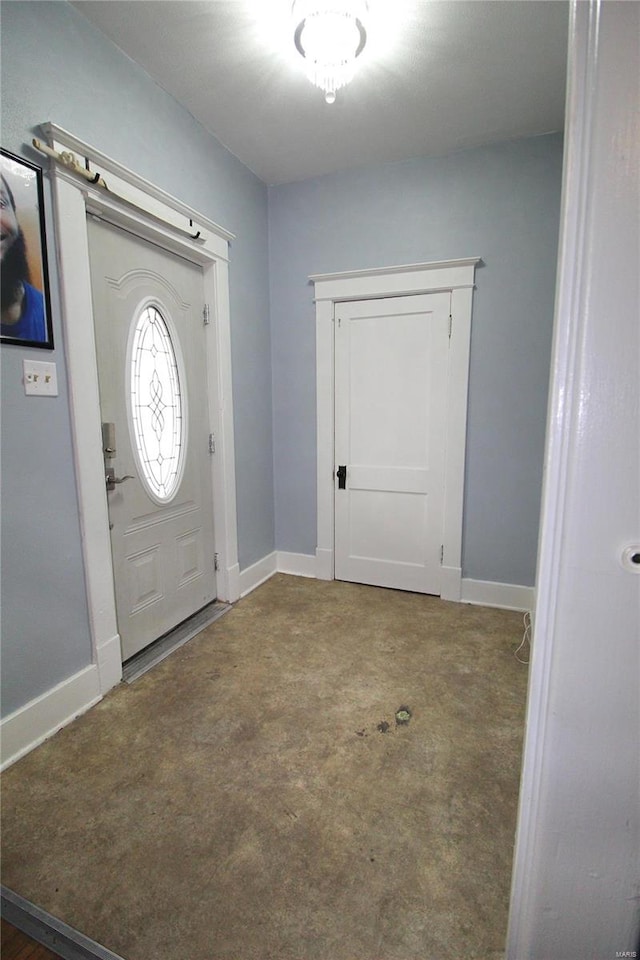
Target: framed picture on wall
{"x": 24, "y": 277}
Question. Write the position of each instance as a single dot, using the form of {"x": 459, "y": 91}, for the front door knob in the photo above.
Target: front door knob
{"x": 111, "y": 479}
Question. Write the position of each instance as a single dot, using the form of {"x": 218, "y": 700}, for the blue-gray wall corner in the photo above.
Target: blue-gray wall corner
{"x": 502, "y": 202}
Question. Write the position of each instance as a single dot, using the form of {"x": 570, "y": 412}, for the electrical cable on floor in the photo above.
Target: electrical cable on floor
{"x": 526, "y": 639}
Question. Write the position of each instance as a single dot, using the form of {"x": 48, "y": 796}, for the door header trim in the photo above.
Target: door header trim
{"x": 402, "y": 280}
{"x": 403, "y": 268}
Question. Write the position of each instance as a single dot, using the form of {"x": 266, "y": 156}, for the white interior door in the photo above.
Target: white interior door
{"x": 148, "y": 311}
{"x": 391, "y": 359}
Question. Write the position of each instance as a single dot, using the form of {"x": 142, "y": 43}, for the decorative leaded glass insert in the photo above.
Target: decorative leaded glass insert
{"x": 156, "y": 404}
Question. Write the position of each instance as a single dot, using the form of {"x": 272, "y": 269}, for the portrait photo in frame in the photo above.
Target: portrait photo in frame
{"x": 24, "y": 275}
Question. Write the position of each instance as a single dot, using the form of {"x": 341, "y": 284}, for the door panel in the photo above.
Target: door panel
{"x": 162, "y": 535}
{"x": 391, "y": 368}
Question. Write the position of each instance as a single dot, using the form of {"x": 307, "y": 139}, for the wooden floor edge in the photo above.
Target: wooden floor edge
{"x": 46, "y": 929}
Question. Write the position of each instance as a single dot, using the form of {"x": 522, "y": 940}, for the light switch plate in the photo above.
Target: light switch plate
{"x": 40, "y": 378}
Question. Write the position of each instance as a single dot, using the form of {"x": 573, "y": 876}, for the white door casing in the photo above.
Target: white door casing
{"x": 154, "y": 214}
{"x": 161, "y": 511}
{"x": 456, "y": 277}
{"x": 390, "y": 368}
{"x": 574, "y": 889}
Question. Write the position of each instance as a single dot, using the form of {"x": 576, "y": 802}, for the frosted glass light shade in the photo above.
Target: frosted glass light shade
{"x": 330, "y": 34}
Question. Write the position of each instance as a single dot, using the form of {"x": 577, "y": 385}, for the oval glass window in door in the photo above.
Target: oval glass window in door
{"x": 156, "y": 404}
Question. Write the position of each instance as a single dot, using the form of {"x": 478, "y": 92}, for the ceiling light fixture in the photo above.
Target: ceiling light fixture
{"x": 330, "y": 34}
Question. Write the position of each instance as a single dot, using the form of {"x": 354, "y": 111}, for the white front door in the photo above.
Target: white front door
{"x": 391, "y": 359}
{"x": 148, "y": 312}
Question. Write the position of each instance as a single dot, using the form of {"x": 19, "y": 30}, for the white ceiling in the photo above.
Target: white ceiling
{"x": 434, "y": 77}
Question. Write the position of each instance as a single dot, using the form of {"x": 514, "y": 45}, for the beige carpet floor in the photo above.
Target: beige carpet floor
{"x": 246, "y": 800}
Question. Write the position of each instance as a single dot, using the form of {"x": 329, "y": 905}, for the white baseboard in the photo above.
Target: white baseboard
{"x": 487, "y": 593}
{"x": 257, "y": 573}
{"x": 507, "y": 596}
{"x": 298, "y": 564}
{"x": 39, "y": 719}
{"x": 109, "y": 661}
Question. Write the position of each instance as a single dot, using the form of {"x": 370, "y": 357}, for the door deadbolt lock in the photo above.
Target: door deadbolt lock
{"x": 112, "y": 481}
{"x": 109, "y": 440}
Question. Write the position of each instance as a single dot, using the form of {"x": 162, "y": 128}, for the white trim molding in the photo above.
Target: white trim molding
{"x": 258, "y": 573}
{"x": 574, "y": 890}
{"x": 505, "y": 596}
{"x": 109, "y": 663}
{"x": 484, "y": 593}
{"x": 36, "y": 721}
{"x": 139, "y": 207}
{"x": 395, "y": 281}
{"x": 563, "y": 398}
{"x": 454, "y": 276}
{"x": 297, "y": 564}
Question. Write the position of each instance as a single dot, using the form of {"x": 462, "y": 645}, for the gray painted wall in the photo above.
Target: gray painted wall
{"x": 56, "y": 66}
{"x": 499, "y": 202}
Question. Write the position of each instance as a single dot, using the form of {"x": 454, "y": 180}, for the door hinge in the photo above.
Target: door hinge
{"x": 450, "y": 325}
{"x": 206, "y": 314}
{"x": 212, "y": 443}
{"x": 216, "y": 561}
{"x": 442, "y": 553}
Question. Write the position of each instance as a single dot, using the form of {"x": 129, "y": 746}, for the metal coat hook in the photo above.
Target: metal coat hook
{"x": 68, "y": 160}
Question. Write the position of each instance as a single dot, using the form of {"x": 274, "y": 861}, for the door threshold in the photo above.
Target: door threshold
{"x": 52, "y": 933}
{"x": 160, "y": 649}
